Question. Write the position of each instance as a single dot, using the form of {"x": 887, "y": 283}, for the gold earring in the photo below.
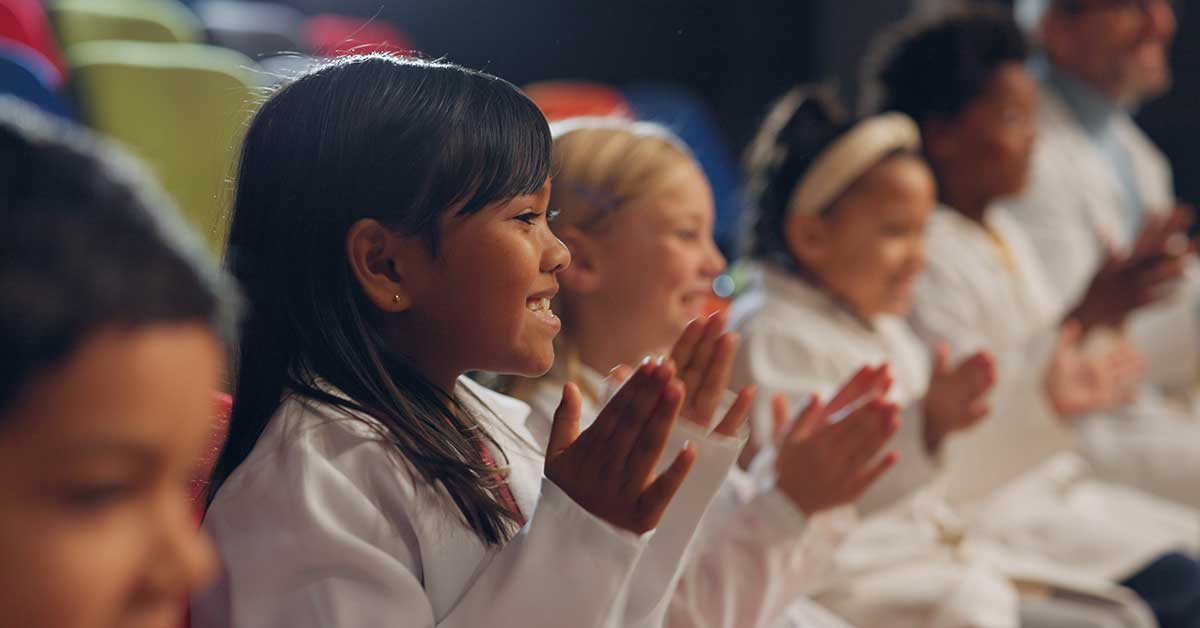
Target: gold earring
{"x": 395, "y": 298}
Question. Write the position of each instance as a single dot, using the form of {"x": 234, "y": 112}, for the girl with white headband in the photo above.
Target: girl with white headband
{"x": 837, "y": 248}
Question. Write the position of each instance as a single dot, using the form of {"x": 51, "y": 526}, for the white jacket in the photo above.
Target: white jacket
{"x": 1073, "y": 203}
{"x": 321, "y": 526}
{"x": 920, "y": 560}
{"x": 755, "y": 555}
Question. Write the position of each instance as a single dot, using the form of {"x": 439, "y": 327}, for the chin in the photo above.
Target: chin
{"x": 534, "y": 364}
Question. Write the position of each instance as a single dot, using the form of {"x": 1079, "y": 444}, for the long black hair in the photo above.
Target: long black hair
{"x": 400, "y": 141}
{"x": 88, "y": 242}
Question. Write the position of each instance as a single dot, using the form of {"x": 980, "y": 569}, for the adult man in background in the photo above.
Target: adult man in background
{"x": 1100, "y": 207}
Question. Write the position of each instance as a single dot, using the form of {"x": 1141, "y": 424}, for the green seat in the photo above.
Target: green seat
{"x": 79, "y": 21}
{"x": 180, "y": 107}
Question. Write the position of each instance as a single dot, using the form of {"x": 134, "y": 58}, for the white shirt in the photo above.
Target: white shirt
{"x": 322, "y": 525}
{"x": 918, "y": 560}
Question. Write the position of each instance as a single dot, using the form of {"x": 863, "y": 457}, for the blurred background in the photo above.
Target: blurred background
{"x": 175, "y": 80}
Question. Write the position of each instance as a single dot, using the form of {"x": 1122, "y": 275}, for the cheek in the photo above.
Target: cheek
{"x": 66, "y": 575}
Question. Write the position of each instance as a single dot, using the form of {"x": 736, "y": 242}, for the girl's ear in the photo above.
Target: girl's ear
{"x": 939, "y": 139}
{"x": 585, "y": 272}
{"x": 807, "y": 238}
{"x": 375, "y": 255}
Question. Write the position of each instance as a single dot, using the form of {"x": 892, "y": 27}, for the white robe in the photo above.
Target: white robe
{"x": 1072, "y": 205}
{"x": 918, "y": 561}
{"x": 755, "y": 555}
{"x": 322, "y": 526}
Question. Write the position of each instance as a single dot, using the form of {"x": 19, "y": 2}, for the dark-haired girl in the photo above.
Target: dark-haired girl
{"x": 390, "y": 230}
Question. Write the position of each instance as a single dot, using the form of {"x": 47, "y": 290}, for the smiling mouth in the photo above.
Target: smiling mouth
{"x": 540, "y": 305}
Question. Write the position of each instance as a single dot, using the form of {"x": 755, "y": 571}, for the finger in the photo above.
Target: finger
{"x": 565, "y": 428}
{"x": 1069, "y": 335}
{"x": 810, "y": 420}
{"x": 863, "y": 436}
{"x": 705, "y": 399}
{"x": 980, "y": 372}
{"x": 779, "y": 418}
{"x": 735, "y": 417}
{"x": 655, "y": 498}
{"x": 616, "y": 378}
{"x": 872, "y": 475}
{"x": 941, "y": 359}
{"x": 613, "y": 414}
{"x": 702, "y": 355}
{"x": 884, "y": 381}
{"x": 686, "y": 344}
{"x": 651, "y": 439}
{"x": 864, "y": 383}
{"x": 620, "y": 374}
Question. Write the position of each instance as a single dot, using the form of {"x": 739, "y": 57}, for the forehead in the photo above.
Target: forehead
{"x": 148, "y": 386}
{"x": 683, "y": 193}
{"x": 1009, "y": 80}
{"x": 895, "y": 186}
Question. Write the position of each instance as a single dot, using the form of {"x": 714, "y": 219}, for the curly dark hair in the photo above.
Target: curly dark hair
{"x": 937, "y": 70}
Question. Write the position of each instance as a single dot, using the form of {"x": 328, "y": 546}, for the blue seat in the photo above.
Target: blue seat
{"x": 28, "y": 75}
{"x": 689, "y": 117}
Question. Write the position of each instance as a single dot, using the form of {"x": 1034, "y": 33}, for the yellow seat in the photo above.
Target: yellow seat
{"x": 79, "y": 21}
{"x": 180, "y": 107}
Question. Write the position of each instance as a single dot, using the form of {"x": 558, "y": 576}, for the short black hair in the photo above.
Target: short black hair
{"x": 936, "y": 71}
{"x": 87, "y": 242}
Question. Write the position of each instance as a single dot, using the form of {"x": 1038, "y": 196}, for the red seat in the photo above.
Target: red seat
{"x": 25, "y": 22}
{"x": 559, "y": 100}
{"x": 222, "y": 406}
{"x": 337, "y": 35}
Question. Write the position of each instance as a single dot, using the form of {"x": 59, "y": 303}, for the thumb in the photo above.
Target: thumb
{"x": 565, "y": 428}
{"x": 1070, "y": 334}
{"x": 779, "y": 418}
{"x": 941, "y": 359}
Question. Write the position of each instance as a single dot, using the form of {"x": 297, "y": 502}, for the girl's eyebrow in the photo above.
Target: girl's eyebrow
{"x": 105, "y": 448}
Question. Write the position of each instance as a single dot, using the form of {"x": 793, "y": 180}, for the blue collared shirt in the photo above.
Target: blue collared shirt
{"x": 1098, "y": 117}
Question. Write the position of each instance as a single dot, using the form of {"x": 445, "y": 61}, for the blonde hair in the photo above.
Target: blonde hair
{"x": 601, "y": 165}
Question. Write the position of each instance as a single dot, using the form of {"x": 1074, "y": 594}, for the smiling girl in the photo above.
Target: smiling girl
{"x": 390, "y": 230}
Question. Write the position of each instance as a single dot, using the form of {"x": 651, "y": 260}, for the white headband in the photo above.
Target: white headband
{"x": 851, "y": 156}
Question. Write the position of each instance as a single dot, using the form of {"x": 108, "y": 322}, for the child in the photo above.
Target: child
{"x": 839, "y": 234}
{"x": 633, "y": 198}
{"x": 985, "y": 288}
{"x": 110, "y": 318}
{"x": 390, "y": 230}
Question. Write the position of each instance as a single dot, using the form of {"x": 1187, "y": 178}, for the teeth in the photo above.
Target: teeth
{"x": 538, "y": 305}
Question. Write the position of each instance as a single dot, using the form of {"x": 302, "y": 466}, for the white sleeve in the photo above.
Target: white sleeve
{"x": 664, "y": 558}
{"x": 319, "y": 551}
{"x": 747, "y": 567}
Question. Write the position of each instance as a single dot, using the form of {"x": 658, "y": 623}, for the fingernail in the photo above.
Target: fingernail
{"x": 659, "y": 360}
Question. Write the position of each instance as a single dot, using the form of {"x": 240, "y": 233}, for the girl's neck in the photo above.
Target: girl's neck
{"x": 427, "y": 356}
{"x": 601, "y": 344}
{"x": 817, "y": 283}
{"x": 963, "y": 199}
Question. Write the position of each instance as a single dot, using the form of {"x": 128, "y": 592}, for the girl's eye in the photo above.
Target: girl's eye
{"x": 91, "y": 498}
{"x": 688, "y": 235}
{"x": 529, "y": 217}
